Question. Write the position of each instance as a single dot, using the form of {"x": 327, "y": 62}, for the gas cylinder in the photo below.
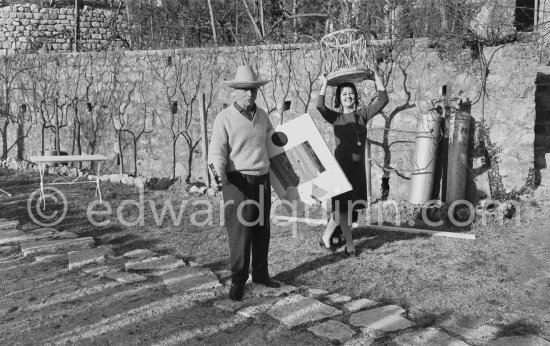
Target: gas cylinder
{"x": 425, "y": 155}
{"x": 457, "y": 169}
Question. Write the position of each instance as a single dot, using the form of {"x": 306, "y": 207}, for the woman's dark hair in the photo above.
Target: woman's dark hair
{"x": 337, "y": 101}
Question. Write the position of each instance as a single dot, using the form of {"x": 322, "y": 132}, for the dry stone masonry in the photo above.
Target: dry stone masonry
{"x": 32, "y": 28}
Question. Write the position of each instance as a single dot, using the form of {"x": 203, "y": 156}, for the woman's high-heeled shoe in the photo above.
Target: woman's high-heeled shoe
{"x": 327, "y": 249}
{"x": 351, "y": 253}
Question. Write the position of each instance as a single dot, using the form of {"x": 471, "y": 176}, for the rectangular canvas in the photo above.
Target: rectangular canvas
{"x": 302, "y": 167}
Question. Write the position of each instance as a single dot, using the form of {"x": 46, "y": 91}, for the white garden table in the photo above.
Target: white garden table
{"x": 43, "y": 160}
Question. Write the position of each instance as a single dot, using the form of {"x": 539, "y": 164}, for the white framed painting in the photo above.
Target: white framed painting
{"x": 302, "y": 166}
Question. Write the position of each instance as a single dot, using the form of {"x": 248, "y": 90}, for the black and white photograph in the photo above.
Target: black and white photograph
{"x": 275, "y": 172}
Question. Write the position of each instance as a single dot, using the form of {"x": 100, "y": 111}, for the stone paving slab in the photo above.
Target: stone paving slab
{"x": 201, "y": 295}
{"x": 473, "y": 335}
{"x": 14, "y": 236}
{"x": 140, "y": 253}
{"x": 430, "y": 336}
{"x": 155, "y": 263}
{"x": 386, "y": 318}
{"x": 102, "y": 270}
{"x": 360, "y": 304}
{"x": 519, "y": 340}
{"x": 17, "y": 236}
{"x": 361, "y": 340}
{"x": 125, "y": 278}
{"x": 30, "y": 227}
{"x": 259, "y": 290}
{"x": 43, "y": 233}
{"x": 6, "y": 225}
{"x": 19, "y": 200}
{"x": 54, "y": 246}
{"x": 190, "y": 279}
{"x": 373, "y": 333}
{"x": 228, "y": 305}
{"x": 65, "y": 235}
{"x": 81, "y": 258}
{"x": 333, "y": 330}
{"x": 6, "y": 250}
{"x": 50, "y": 233}
{"x": 254, "y": 311}
{"x": 297, "y": 310}
{"x": 316, "y": 292}
{"x": 49, "y": 258}
{"x": 225, "y": 276}
{"x": 336, "y": 298}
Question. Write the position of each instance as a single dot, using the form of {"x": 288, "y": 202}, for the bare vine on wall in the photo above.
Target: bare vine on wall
{"x": 182, "y": 79}
{"x": 12, "y": 70}
{"x": 310, "y": 68}
{"x": 396, "y": 54}
{"x": 99, "y": 99}
{"x": 280, "y": 69}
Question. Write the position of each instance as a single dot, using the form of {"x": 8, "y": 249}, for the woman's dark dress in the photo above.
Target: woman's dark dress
{"x": 350, "y": 128}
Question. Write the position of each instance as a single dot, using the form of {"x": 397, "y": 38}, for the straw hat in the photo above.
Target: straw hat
{"x": 245, "y": 78}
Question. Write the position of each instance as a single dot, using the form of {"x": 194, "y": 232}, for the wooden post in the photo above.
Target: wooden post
{"x": 382, "y": 228}
{"x": 212, "y": 22}
{"x": 204, "y": 140}
{"x": 536, "y": 16}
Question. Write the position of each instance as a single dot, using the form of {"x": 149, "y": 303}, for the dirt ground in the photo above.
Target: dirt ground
{"x": 43, "y": 302}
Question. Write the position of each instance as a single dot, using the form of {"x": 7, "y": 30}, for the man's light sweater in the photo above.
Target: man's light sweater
{"x": 239, "y": 144}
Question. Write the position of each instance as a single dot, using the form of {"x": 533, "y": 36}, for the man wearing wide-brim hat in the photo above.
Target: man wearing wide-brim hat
{"x": 238, "y": 154}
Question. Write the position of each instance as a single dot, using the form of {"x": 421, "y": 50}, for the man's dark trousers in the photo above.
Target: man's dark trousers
{"x": 252, "y": 231}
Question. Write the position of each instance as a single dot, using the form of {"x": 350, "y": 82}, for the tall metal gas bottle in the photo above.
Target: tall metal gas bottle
{"x": 427, "y": 137}
{"x": 457, "y": 169}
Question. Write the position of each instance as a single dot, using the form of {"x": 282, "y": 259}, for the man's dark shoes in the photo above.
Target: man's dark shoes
{"x": 236, "y": 292}
{"x": 267, "y": 281}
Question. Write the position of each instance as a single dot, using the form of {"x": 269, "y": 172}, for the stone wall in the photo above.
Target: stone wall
{"x": 32, "y": 28}
{"x": 495, "y": 19}
{"x": 507, "y": 106}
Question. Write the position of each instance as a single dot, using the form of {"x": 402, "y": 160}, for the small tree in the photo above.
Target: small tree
{"x": 280, "y": 70}
{"x": 170, "y": 74}
{"x": 208, "y": 63}
{"x": 12, "y": 71}
{"x": 99, "y": 98}
{"x": 142, "y": 123}
{"x": 119, "y": 116}
{"x": 76, "y": 92}
{"x": 311, "y": 71}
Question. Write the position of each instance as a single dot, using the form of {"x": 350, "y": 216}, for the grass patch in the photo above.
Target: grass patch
{"x": 500, "y": 279}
